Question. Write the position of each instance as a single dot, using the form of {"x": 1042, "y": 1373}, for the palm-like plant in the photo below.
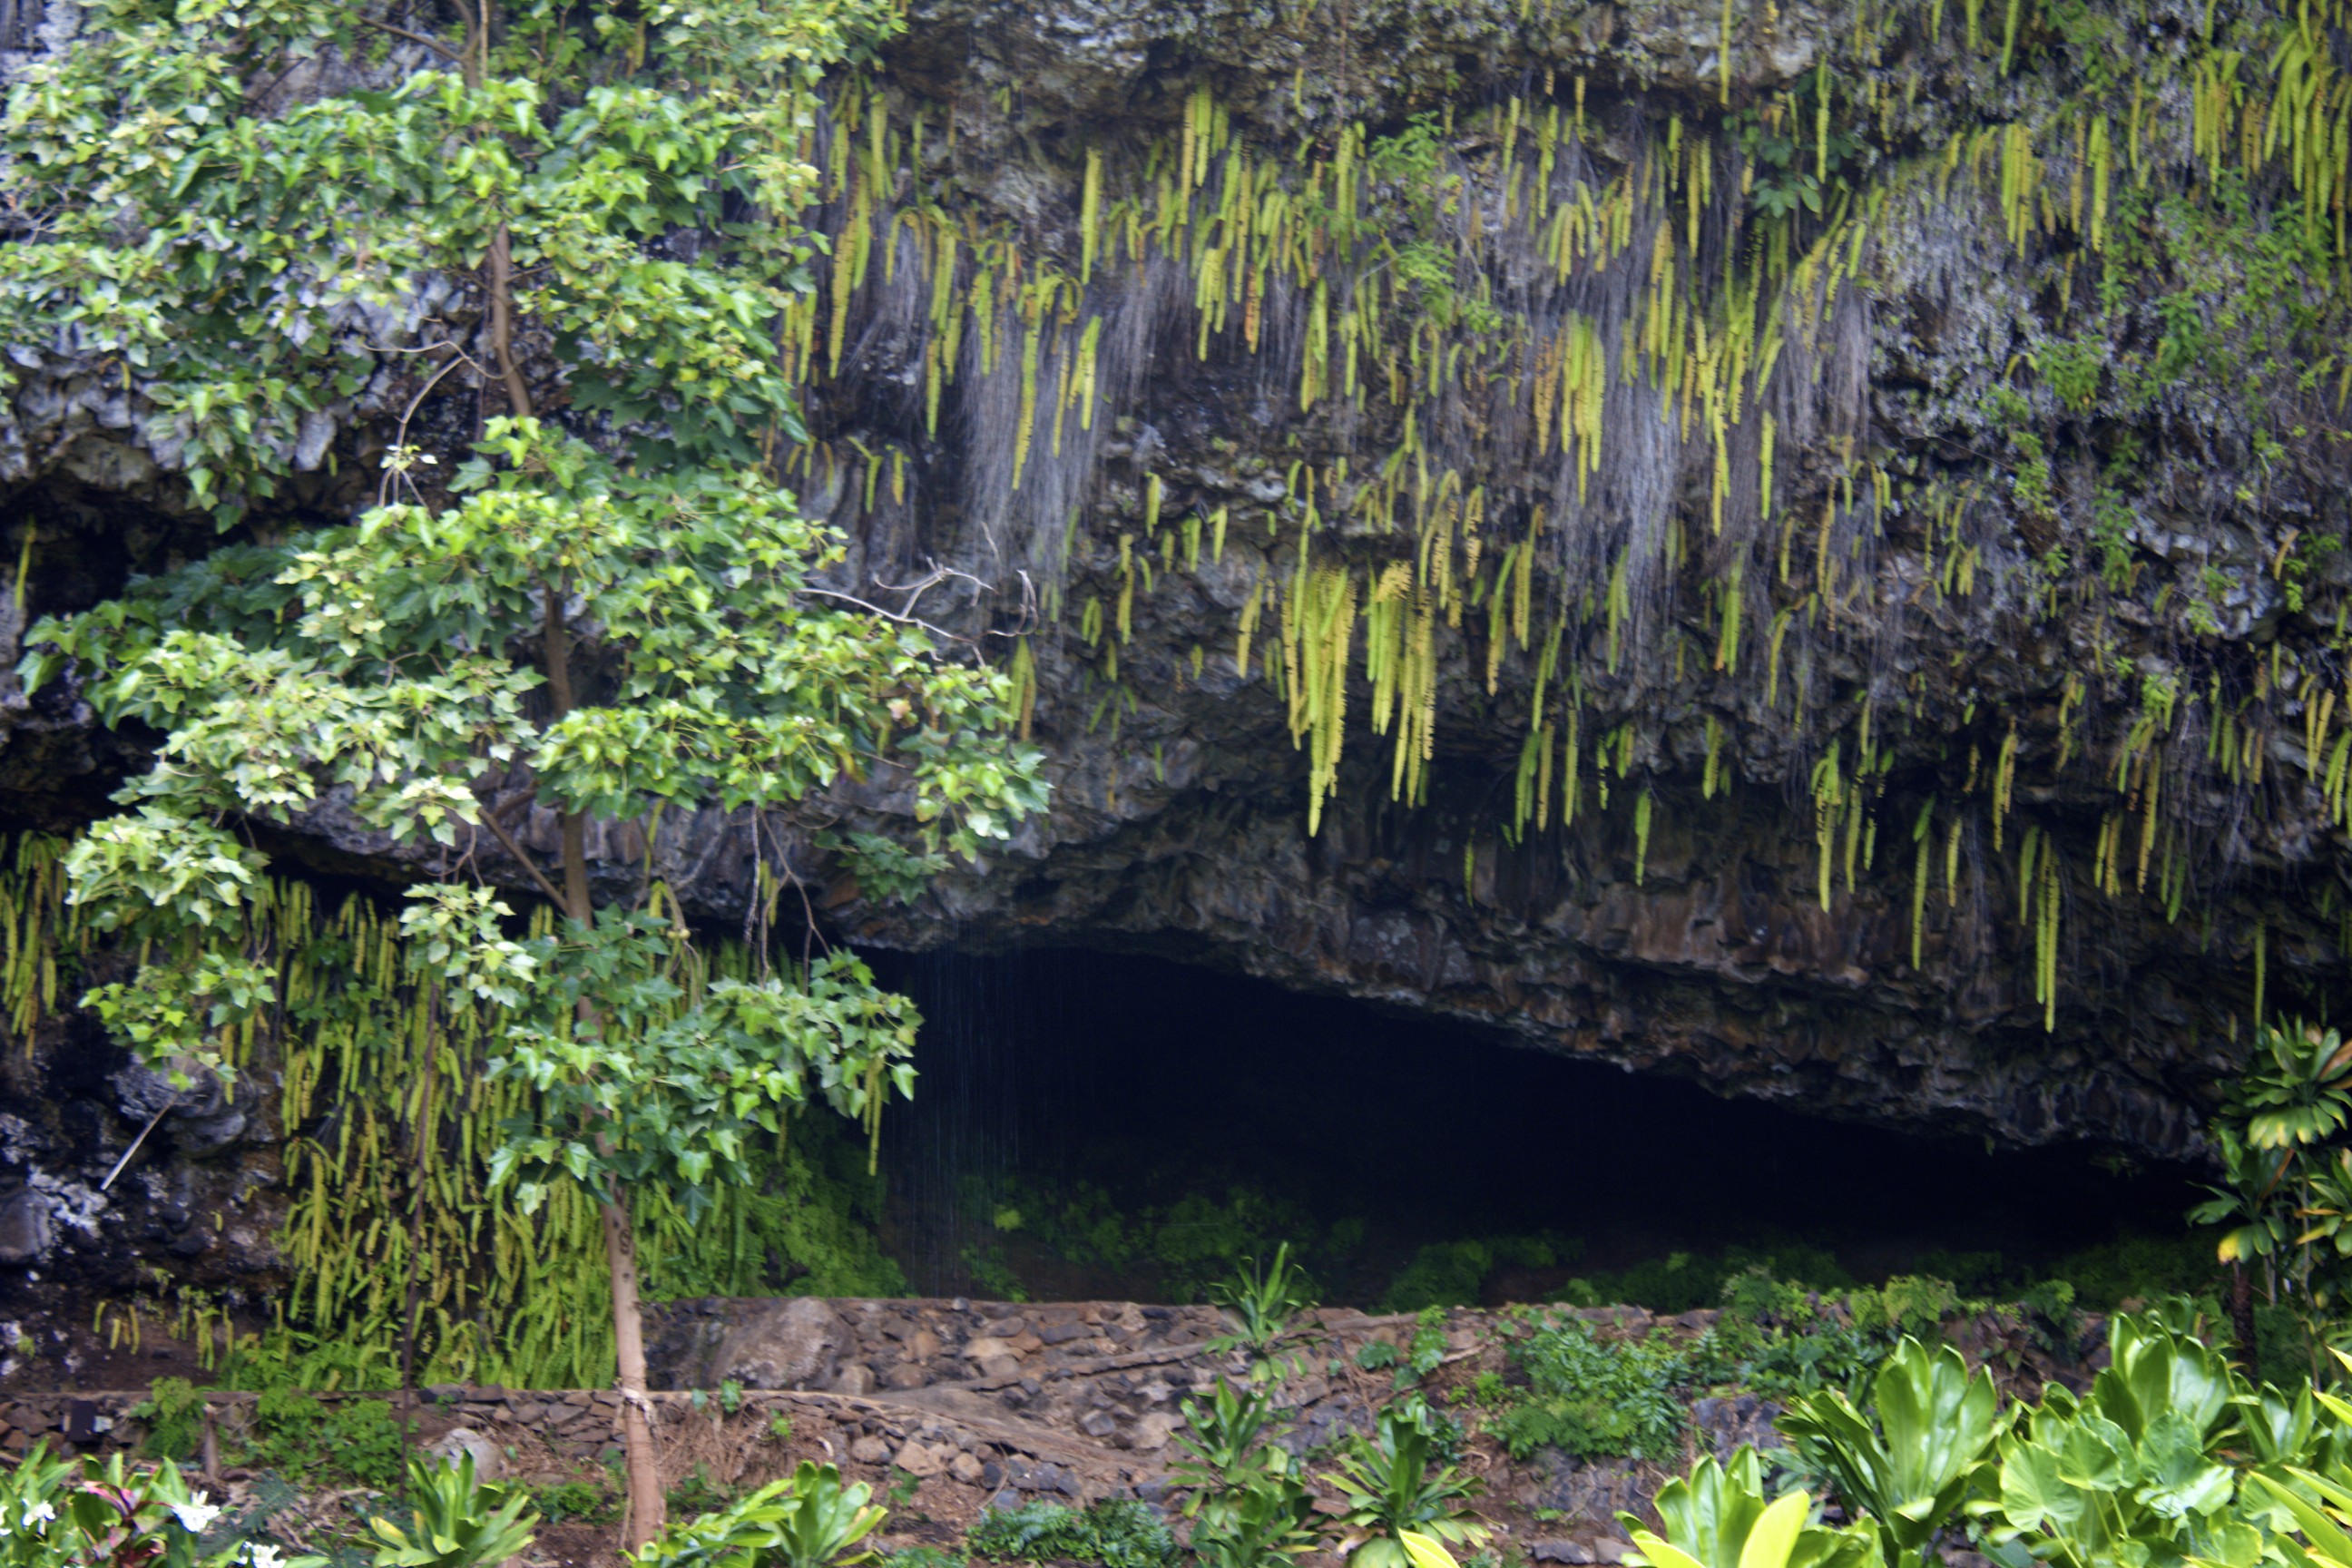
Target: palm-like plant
{"x": 1393, "y": 1489}
{"x": 809, "y": 1520}
{"x": 1222, "y": 1440}
{"x": 1718, "y": 1516}
{"x": 2296, "y": 1089}
{"x": 1929, "y": 1451}
{"x": 455, "y": 1522}
{"x": 1263, "y": 1301}
{"x": 1264, "y": 1521}
{"x": 824, "y": 1520}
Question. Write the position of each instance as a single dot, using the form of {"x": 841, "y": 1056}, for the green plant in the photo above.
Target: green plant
{"x": 576, "y": 1498}
{"x": 923, "y": 1557}
{"x": 2285, "y": 1199}
{"x": 2135, "y": 1469}
{"x": 57, "y": 1513}
{"x": 454, "y": 1521}
{"x": 1928, "y": 1453}
{"x": 1392, "y": 1484}
{"x": 302, "y": 1437}
{"x": 174, "y": 1413}
{"x": 697, "y": 1494}
{"x": 1262, "y": 1300}
{"x": 809, "y": 1520}
{"x": 1223, "y": 1439}
{"x": 1264, "y": 1521}
{"x": 1593, "y": 1398}
{"x": 1117, "y": 1533}
{"x": 1718, "y": 1517}
{"x": 1426, "y": 1352}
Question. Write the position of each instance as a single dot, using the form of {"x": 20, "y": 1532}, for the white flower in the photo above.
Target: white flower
{"x": 38, "y": 1513}
{"x": 261, "y": 1556}
{"x": 196, "y": 1516}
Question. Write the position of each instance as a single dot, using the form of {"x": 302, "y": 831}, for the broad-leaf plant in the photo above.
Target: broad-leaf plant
{"x": 575, "y": 223}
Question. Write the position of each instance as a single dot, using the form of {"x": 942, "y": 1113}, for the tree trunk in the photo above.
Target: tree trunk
{"x": 645, "y": 1503}
{"x": 2241, "y": 1319}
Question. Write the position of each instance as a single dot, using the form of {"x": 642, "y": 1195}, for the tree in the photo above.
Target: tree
{"x": 608, "y": 608}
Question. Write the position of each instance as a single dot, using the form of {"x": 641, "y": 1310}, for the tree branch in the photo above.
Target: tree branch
{"x": 500, "y": 261}
{"x": 888, "y": 615}
{"x": 490, "y": 820}
{"x": 444, "y": 50}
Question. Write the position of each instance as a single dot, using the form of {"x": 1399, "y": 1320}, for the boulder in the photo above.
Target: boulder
{"x": 792, "y": 1343}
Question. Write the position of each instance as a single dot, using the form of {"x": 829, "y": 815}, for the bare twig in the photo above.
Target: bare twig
{"x": 888, "y": 615}
{"x": 444, "y": 50}
{"x": 138, "y": 1140}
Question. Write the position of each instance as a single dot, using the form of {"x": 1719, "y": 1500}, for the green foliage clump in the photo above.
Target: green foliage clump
{"x": 303, "y": 1438}
{"x": 1595, "y": 1398}
{"x": 923, "y": 1557}
{"x": 1118, "y": 1532}
{"x": 1187, "y": 1244}
{"x": 173, "y": 1411}
{"x": 587, "y": 1502}
{"x": 1454, "y": 1273}
{"x": 57, "y": 1512}
{"x": 809, "y": 1228}
{"x": 1262, "y": 1299}
{"x": 452, "y": 1521}
{"x": 1683, "y": 1282}
{"x": 1397, "y": 1480}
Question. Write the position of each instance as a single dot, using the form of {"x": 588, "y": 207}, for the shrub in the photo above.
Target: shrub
{"x": 174, "y": 1413}
{"x": 1116, "y": 1533}
{"x": 299, "y": 1437}
{"x": 1595, "y": 1399}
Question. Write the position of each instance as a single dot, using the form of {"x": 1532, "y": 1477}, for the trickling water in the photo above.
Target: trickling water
{"x": 951, "y": 1153}
{"x": 1082, "y": 1089}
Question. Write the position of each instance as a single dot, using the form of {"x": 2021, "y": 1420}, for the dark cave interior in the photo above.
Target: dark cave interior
{"x": 1098, "y": 1125}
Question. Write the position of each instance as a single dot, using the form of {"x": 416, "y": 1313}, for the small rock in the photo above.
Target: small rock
{"x": 1098, "y": 1423}
{"x": 988, "y": 1347}
{"x": 922, "y": 1345}
{"x": 1063, "y": 1333}
{"x": 1150, "y": 1434}
{"x": 1001, "y": 1366}
{"x": 922, "y": 1459}
{"x": 25, "y": 1231}
{"x": 855, "y": 1379}
{"x": 490, "y": 1464}
{"x": 869, "y": 1450}
{"x": 966, "y": 1469}
{"x": 1559, "y": 1551}
{"x": 1610, "y": 1549}
{"x": 905, "y": 1374}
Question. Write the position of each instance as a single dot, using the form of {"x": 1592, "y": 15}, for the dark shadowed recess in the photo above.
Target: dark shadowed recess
{"x": 1381, "y": 1133}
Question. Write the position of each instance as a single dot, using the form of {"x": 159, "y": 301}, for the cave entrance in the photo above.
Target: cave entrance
{"x": 1102, "y": 1126}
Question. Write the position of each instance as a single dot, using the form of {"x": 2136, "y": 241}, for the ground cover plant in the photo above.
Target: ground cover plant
{"x": 1117, "y": 1533}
